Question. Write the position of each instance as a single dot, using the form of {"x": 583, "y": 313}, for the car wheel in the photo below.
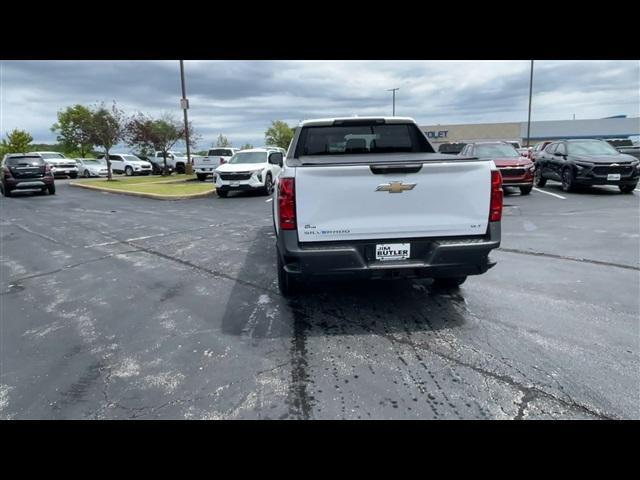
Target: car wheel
{"x": 567, "y": 180}
{"x": 202, "y": 176}
{"x": 526, "y": 190}
{"x": 448, "y": 282}
{"x": 73, "y": 175}
{"x": 86, "y": 174}
{"x": 288, "y": 285}
{"x": 6, "y": 192}
{"x": 539, "y": 180}
{"x": 222, "y": 193}
{"x": 268, "y": 185}
{"x": 627, "y": 188}
{"x": 180, "y": 168}
{"x": 128, "y": 172}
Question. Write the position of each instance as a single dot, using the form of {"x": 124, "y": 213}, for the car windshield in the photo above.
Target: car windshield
{"x": 52, "y": 155}
{"x": 131, "y": 158}
{"x": 249, "y": 157}
{"x": 24, "y": 162}
{"x": 496, "y": 150}
{"x": 93, "y": 162}
{"x": 591, "y": 148}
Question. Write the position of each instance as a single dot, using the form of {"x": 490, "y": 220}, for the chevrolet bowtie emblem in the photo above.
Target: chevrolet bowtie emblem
{"x": 395, "y": 187}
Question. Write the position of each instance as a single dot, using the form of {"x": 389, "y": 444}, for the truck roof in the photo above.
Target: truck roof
{"x": 331, "y": 121}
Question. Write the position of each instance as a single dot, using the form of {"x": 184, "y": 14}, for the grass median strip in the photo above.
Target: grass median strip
{"x": 173, "y": 186}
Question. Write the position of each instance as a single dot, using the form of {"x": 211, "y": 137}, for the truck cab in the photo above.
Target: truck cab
{"x": 368, "y": 198}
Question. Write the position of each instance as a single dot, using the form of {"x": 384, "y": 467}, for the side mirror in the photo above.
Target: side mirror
{"x": 275, "y": 158}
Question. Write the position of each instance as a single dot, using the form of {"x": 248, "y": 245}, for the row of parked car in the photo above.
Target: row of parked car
{"x": 571, "y": 162}
{"x": 252, "y": 169}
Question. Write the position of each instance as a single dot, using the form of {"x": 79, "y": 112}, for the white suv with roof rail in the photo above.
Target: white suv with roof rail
{"x": 59, "y": 164}
{"x": 128, "y": 164}
{"x": 254, "y": 169}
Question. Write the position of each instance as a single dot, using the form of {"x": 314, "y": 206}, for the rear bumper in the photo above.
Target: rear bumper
{"x": 430, "y": 257}
{"x": 28, "y": 183}
{"x": 208, "y": 170}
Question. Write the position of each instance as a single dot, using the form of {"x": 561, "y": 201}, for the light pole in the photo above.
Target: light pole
{"x": 394, "y": 99}
{"x": 184, "y": 103}
{"x": 530, "y": 92}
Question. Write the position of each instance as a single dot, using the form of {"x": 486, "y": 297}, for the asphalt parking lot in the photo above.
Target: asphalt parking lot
{"x": 121, "y": 307}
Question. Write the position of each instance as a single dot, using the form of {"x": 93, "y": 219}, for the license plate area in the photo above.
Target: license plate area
{"x": 613, "y": 176}
{"x": 385, "y": 252}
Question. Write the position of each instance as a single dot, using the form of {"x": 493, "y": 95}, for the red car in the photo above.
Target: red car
{"x": 516, "y": 170}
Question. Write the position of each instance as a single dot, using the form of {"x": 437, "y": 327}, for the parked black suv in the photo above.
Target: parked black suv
{"x": 26, "y": 172}
{"x": 586, "y": 162}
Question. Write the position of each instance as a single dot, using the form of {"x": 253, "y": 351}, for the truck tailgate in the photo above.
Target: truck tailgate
{"x": 351, "y": 202}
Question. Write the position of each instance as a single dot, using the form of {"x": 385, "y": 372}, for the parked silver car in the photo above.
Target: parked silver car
{"x": 90, "y": 167}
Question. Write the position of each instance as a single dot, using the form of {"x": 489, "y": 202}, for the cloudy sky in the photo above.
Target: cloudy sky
{"x": 240, "y": 98}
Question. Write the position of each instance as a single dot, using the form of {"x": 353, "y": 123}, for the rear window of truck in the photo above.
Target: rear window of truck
{"x": 220, "y": 153}
{"x": 361, "y": 139}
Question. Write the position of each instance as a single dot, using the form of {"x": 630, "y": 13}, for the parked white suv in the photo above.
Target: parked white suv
{"x": 59, "y": 164}
{"x": 254, "y": 169}
{"x": 128, "y": 164}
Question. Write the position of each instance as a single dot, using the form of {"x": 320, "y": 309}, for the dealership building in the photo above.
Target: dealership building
{"x": 604, "y": 128}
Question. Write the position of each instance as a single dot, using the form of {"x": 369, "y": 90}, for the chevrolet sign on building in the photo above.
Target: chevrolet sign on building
{"x": 616, "y": 127}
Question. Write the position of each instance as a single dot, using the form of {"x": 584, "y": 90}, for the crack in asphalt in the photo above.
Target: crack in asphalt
{"x": 564, "y": 257}
{"x": 503, "y": 378}
{"x": 13, "y": 289}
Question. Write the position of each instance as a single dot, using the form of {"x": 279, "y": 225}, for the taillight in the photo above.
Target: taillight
{"x": 287, "y": 203}
{"x": 6, "y": 172}
{"x": 222, "y": 160}
{"x": 47, "y": 169}
{"x": 495, "y": 208}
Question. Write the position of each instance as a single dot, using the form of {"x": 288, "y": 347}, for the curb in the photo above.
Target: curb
{"x": 155, "y": 196}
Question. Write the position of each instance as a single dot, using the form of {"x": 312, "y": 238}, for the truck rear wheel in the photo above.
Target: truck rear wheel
{"x": 180, "y": 168}
{"x": 202, "y": 177}
{"x": 288, "y": 285}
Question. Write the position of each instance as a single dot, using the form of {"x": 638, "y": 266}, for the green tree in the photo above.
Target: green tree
{"x": 106, "y": 129}
{"x": 222, "y": 141}
{"x": 157, "y": 134}
{"x": 17, "y": 141}
{"x": 73, "y": 128}
{"x": 246, "y": 146}
{"x": 279, "y": 134}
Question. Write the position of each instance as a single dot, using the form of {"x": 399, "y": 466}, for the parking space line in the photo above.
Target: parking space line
{"x": 267, "y": 201}
{"x": 549, "y": 193}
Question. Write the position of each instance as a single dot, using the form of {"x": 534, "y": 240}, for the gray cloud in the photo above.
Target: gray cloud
{"x": 240, "y": 98}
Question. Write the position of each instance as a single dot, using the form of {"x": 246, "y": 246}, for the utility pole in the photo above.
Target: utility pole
{"x": 394, "y": 99}
{"x": 184, "y": 103}
{"x": 530, "y": 94}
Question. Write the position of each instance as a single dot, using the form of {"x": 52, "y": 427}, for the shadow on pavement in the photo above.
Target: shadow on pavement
{"x": 256, "y": 309}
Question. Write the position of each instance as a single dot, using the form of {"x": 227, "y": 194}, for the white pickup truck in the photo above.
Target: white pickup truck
{"x": 176, "y": 161}
{"x": 204, "y": 166}
{"x": 369, "y": 198}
